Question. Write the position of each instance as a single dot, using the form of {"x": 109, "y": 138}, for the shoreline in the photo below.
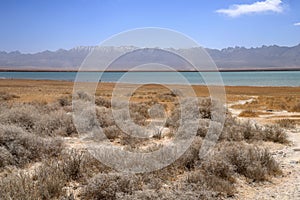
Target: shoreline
{"x": 175, "y": 84}
{"x": 219, "y": 70}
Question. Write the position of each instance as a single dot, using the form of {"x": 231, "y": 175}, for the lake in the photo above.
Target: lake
{"x": 254, "y": 78}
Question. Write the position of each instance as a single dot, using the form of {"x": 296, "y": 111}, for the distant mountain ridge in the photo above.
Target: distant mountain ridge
{"x": 265, "y": 57}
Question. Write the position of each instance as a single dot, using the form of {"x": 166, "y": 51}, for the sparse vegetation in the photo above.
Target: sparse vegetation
{"x": 248, "y": 113}
{"x": 42, "y": 167}
{"x": 286, "y": 123}
{"x": 7, "y": 96}
{"x": 19, "y": 147}
{"x": 289, "y": 103}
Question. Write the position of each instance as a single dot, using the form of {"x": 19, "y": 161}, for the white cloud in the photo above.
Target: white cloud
{"x": 297, "y": 24}
{"x": 257, "y": 7}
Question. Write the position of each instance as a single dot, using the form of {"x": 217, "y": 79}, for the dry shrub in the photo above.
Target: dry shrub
{"x": 65, "y": 101}
{"x": 216, "y": 165}
{"x": 22, "y": 115}
{"x": 50, "y": 180}
{"x": 45, "y": 182}
{"x": 72, "y": 164}
{"x": 100, "y": 101}
{"x": 203, "y": 127}
{"x": 87, "y": 120}
{"x": 55, "y": 123}
{"x": 200, "y": 180}
{"x": 248, "y": 113}
{"x": 80, "y": 165}
{"x": 205, "y": 107}
{"x": 42, "y": 120}
{"x": 112, "y": 132}
{"x": 218, "y": 170}
{"x": 275, "y": 134}
{"x": 232, "y": 130}
{"x": 132, "y": 143}
{"x": 6, "y": 158}
{"x": 18, "y": 186}
{"x": 84, "y": 96}
{"x": 286, "y": 123}
{"x": 296, "y": 108}
{"x": 190, "y": 157}
{"x": 22, "y": 147}
{"x": 91, "y": 166}
{"x": 107, "y": 186}
{"x": 139, "y": 112}
{"x": 7, "y": 96}
{"x": 167, "y": 194}
{"x": 105, "y": 118}
{"x": 173, "y": 120}
{"x": 235, "y": 130}
{"x": 189, "y": 112}
{"x": 251, "y": 161}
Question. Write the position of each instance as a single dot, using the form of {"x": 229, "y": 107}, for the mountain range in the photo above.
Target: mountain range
{"x": 232, "y": 58}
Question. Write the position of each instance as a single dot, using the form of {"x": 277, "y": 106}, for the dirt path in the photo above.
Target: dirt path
{"x": 236, "y": 112}
{"x": 286, "y": 187}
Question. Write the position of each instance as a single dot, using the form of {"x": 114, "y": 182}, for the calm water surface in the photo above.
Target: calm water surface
{"x": 269, "y": 78}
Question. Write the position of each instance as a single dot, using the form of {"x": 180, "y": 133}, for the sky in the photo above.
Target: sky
{"x": 36, "y": 25}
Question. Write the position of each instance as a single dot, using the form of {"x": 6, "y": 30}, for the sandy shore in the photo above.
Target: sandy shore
{"x": 47, "y": 90}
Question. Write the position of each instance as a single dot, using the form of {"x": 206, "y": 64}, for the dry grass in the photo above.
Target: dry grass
{"x": 286, "y": 123}
{"x": 296, "y": 107}
{"x": 248, "y": 113}
{"x": 289, "y": 103}
{"x": 7, "y": 96}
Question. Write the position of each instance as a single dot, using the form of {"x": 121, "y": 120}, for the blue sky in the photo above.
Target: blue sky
{"x": 37, "y": 25}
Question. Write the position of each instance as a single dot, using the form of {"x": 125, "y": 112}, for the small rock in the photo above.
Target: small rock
{"x": 165, "y": 132}
{"x": 297, "y": 149}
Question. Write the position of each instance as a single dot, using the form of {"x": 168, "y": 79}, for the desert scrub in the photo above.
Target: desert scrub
{"x": 21, "y": 115}
{"x": 79, "y": 165}
{"x": 19, "y": 147}
{"x": 248, "y": 131}
{"x": 46, "y": 120}
{"x": 18, "y": 186}
{"x": 217, "y": 187}
{"x": 65, "y": 100}
{"x": 49, "y": 179}
{"x": 45, "y": 182}
{"x": 139, "y": 112}
{"x": 100, "y": 101}
{"x": 275, "y": 134}
{"x": 55, "y": 123}
{"x": 82, "y": 95}
{"x": 286, "y": 123}
{"x": 251, "y": 161}
{"x": 112, "y": 132}
{"x": 107, "y": 186}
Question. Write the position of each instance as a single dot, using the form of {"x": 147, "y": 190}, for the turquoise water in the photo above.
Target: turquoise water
{"x": 267, "y": 78}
